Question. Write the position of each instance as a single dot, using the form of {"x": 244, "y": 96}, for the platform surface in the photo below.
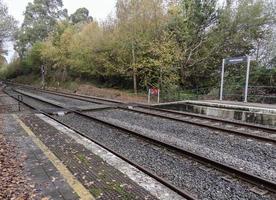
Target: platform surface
{"x": 263, "y": 114}
{"x": 254, "y": 107}
{"x": 43, "y": 178}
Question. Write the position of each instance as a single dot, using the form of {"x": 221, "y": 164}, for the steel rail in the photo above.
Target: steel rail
{"x": 88, "y": 98}
{"x": 187, "y": 195}
{"x": 224, "y": 129}
{"x": 248, "y": 177}
{"x": 67, "y": 93}
{"x": 271, "y": 129}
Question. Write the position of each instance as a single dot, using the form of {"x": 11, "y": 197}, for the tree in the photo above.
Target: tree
{"x": 7, "y": 23}
{"x": 206, "y": 33}
{"x": 242, "y": 29}
{"x": 159, "y": 60}
{"x": 56, "y": 49}
{"x": 7, "y": 29}
{"x": 32, "y": 61}
{"x": 81, "y": 15}
{"x": 2, "y": 53}
{"x": 89, "y": 52}
{"x": 40, "y": 19}
{"x": 191, "y": 23}
{"x": 149, "y": 42}
{"x": 138, "y": 21}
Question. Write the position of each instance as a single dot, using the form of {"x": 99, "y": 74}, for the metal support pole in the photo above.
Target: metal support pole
{"x": 149, "y": 97}
{"x": 158, "y": 97}
{"x": 20, "y": 99}
{"x": 222, "y": 80}
{"x": 247, "y": 79}
{"x": 43, "y": 77}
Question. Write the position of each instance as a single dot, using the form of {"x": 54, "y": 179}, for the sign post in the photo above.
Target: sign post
{"x": 247, "y": 80}
{"x": 235, "y": 60}
{"x": 222, "y": 80}
{"x": 149, "y": 97}
{"x": 43, "y": 76}
{"x": 155, "y": 92}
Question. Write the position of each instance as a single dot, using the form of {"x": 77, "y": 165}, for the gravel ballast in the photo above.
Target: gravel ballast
{"x": 33, "y": 102}
{"x": 249, "y": 155}
{"x": 181, "y": 171}
{"x": 65, "y": 101}
{"x": 225, "y": 124}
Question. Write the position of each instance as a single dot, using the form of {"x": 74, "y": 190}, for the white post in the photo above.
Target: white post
{"x": 247, "y": 79}
{"x": 222, "y": 80}
{"x": 42, "y": 76}
{"x": 158, "y": 97}
{"x": 149, "y": 97}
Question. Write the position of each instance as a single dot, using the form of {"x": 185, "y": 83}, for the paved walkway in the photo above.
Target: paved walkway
{"x": 42, "y": 175}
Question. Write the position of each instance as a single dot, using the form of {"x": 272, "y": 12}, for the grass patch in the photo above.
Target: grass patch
{"x": 82, "y": 158}
{"x": 96, "y": 192}
{"x": 120, "y": 190}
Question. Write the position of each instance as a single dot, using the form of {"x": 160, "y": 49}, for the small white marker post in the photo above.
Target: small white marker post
{"x": 43, "y": 76}
{"x": 149, "y": 96}
{"x": 158, "y": 96}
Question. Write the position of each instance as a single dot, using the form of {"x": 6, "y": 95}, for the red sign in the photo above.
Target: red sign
{"x": 154, "y": 91}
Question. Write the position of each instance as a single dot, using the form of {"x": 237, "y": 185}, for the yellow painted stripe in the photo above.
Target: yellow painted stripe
{"x": 83, "y": 193}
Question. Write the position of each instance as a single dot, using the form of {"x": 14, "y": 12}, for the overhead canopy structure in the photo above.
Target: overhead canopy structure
{"x": 235, "y": 60}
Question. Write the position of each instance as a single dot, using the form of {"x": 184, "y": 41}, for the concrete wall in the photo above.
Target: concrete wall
{"x": 225, "y": 113}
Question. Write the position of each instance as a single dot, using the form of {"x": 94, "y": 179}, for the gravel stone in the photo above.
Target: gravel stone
{"x": 66, "y": 101}
{"x": 179, "y": 170}
{"x": 30, "y": 101}
{"x": 252, "y": 131}
{"x": 250, "y": 155}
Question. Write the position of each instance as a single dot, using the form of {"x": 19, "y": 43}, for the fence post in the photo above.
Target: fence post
{"x": 20, "y": 99}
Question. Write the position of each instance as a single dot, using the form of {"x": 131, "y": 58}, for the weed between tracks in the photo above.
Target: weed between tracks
{"x": 82, "y": 158}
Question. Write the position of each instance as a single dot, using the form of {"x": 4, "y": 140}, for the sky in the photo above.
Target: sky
{"x": 99, "y": 10}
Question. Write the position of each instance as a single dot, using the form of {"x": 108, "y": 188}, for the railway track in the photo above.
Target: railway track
{"x": 234, "y": 172}
{"x": 93, "y": 99}
{"x": 187, "y": 195}
{"x": 262, "y": 133}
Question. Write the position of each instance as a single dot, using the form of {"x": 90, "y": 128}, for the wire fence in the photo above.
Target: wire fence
{"x": 262, "y": 86}
{"x": 256, "y": 94}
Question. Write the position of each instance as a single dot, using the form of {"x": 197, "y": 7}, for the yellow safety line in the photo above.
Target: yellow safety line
{"x": 83, "y": 193}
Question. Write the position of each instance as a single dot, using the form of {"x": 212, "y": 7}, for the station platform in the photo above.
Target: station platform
{"x": 39, "y": 175}
{"x": 55, "y": 162}
{"x": 264, "y": 114}
{"x": 253, "y": 107}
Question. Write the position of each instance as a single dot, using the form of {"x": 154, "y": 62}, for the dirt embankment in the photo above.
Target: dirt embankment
{"x": 116, "y": 94}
